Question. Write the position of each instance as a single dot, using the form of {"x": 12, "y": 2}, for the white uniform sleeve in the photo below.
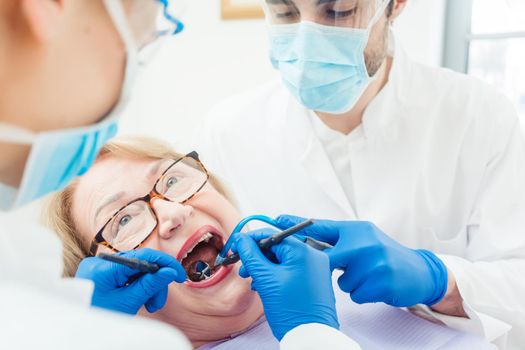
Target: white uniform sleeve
{"x": 490, "y": 276}
{"x": 317, "y": 336}
{"x": 34, "y": 319}
{"x": 41, "y": 310}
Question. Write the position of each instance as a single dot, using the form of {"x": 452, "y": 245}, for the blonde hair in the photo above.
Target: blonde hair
{"x": 58, "y": 215}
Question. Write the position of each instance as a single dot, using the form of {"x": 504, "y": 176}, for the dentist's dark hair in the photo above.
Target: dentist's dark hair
{"x": 390, "y": 8}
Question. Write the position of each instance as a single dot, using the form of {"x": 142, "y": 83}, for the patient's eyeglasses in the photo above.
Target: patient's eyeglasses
{"x": 134, "y": 223}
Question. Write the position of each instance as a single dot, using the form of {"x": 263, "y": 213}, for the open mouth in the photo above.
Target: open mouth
{"x": 197, "y": 257}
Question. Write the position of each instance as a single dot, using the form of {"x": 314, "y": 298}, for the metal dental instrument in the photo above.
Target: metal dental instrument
{"x": 137, "y": 264}
{"x": 268, "y": 242}
{"x": 203, "y": 270}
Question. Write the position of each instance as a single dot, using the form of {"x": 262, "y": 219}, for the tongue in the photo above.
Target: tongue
{"x": 202, "y": 252}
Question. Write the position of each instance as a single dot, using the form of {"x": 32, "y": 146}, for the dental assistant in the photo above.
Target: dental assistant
{"x": 422, "y": 168}
{"x": 66, "y": 73}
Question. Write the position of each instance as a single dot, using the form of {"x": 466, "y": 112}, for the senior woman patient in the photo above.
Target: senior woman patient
{"x": 142, "y": 194}
{"x": 205, "y": 311}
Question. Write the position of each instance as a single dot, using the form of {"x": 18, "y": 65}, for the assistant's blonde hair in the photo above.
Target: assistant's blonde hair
{"x": 58, "y": 215}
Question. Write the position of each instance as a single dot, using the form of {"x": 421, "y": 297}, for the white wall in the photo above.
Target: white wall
{"x": 421, "y": 28}
{"x": 213, "y": 59}
{"x": 210, "y": 60}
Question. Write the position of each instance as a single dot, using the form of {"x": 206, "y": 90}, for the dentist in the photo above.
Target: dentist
{"x": 422, "y": 169}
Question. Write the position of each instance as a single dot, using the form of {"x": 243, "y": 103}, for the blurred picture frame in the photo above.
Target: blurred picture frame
{"x": 241, "y": 9}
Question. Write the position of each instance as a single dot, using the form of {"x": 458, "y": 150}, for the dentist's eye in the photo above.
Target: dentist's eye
{"x": 341, "y": 14}
{"x": 286, "y": 15}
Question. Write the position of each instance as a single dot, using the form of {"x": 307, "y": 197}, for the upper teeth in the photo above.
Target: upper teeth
{"x": 204, "y": 238}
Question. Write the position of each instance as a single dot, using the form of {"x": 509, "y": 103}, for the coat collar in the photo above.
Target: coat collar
{"x": 300, "y": 138}
{"x": 303, "y": 141}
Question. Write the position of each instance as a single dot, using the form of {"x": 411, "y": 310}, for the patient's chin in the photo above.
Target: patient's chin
{"x": 240, "y": 303}
{"x": 232, "y": 298}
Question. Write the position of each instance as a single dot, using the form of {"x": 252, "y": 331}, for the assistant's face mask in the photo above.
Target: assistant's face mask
{"x": 323, "y": 65}
{"x": 57, "y": 157}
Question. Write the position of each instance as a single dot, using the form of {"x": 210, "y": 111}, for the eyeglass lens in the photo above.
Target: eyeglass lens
{"x": 135, "y": 222}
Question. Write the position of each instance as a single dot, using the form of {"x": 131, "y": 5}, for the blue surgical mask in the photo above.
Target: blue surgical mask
{"x": 322, "y": 66}
{"x": 56, "y": 158}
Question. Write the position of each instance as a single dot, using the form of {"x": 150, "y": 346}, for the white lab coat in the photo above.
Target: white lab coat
{"x": 41, "y": 310}
{"x": 438, "y": 163}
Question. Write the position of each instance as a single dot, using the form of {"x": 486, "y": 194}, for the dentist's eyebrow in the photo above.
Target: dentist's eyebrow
{"x": 280, "y": 2}
{"x": 321, "y": 2}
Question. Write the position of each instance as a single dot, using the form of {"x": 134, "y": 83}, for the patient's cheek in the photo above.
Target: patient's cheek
{"x": 104, "y": 249}
{"x": 216, "y": 205}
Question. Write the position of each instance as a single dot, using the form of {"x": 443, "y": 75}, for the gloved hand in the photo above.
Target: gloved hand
{"x": 295, "y": 290}
{"x": 150, "y": 290}
{"x": 377, "y": 268}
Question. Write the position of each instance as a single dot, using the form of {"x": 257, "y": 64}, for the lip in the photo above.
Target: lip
{"x": 191, "y": 242}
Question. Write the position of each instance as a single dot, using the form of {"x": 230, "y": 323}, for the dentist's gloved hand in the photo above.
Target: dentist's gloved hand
{"x": 150, "y": 290}
{"x": 295, "y": 290}
{"x": 377, "y": 268}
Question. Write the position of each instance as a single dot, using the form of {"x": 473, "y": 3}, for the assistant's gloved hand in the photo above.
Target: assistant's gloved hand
{"x": 150, "y": 290}
{"x": 377, "y": 268}
{"x": 295, "y": 290}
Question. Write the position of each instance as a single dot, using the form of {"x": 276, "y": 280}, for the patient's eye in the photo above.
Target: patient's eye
{"x": 124, "y": 221}
{"x": 171, "y": 181}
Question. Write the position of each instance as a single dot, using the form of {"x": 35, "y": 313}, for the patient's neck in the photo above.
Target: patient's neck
{"x": 232, "y": 327}
{"x": 202, "y": 329}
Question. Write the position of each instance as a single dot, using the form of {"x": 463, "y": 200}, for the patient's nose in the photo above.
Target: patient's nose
{"x": 171, "y": 216}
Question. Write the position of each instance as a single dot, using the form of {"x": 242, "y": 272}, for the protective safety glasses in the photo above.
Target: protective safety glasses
{"x": 141, "y": 23}
{"x": 357, "y": 14}
{"x": 134, "y": 223}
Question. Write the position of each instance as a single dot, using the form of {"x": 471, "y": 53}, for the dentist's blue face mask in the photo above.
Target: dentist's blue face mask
{"x": 323, "y": 65}
{"x": 57, "y": 157}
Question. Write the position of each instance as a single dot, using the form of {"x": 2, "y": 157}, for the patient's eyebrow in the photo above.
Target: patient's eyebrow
{"x": 151, "y": 172}
{"x": 107, "y": 202}
{"x": 155, "y": 167}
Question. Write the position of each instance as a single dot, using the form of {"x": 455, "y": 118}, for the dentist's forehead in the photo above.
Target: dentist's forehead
{"x": 308, "y": 2}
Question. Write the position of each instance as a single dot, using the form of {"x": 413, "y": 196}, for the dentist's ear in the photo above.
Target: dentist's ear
{"x": 43, "y": 17}
{"x": 398, "y": 7}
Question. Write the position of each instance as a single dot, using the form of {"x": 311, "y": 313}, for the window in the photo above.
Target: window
{"x": 486, "y": 38}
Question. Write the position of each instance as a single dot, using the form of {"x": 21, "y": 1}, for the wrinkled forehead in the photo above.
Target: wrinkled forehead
{"x": 111, "y": 183}
{"x": 304, "y": 4}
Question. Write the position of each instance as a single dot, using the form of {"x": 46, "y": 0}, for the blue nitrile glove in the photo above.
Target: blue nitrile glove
{"x": 294, "y": 291}
{"x": 150, "y": 290}
{"x": 377, "y": 268}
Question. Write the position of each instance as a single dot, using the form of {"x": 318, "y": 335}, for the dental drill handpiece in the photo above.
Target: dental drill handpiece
{"x": 267, "y": 243}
